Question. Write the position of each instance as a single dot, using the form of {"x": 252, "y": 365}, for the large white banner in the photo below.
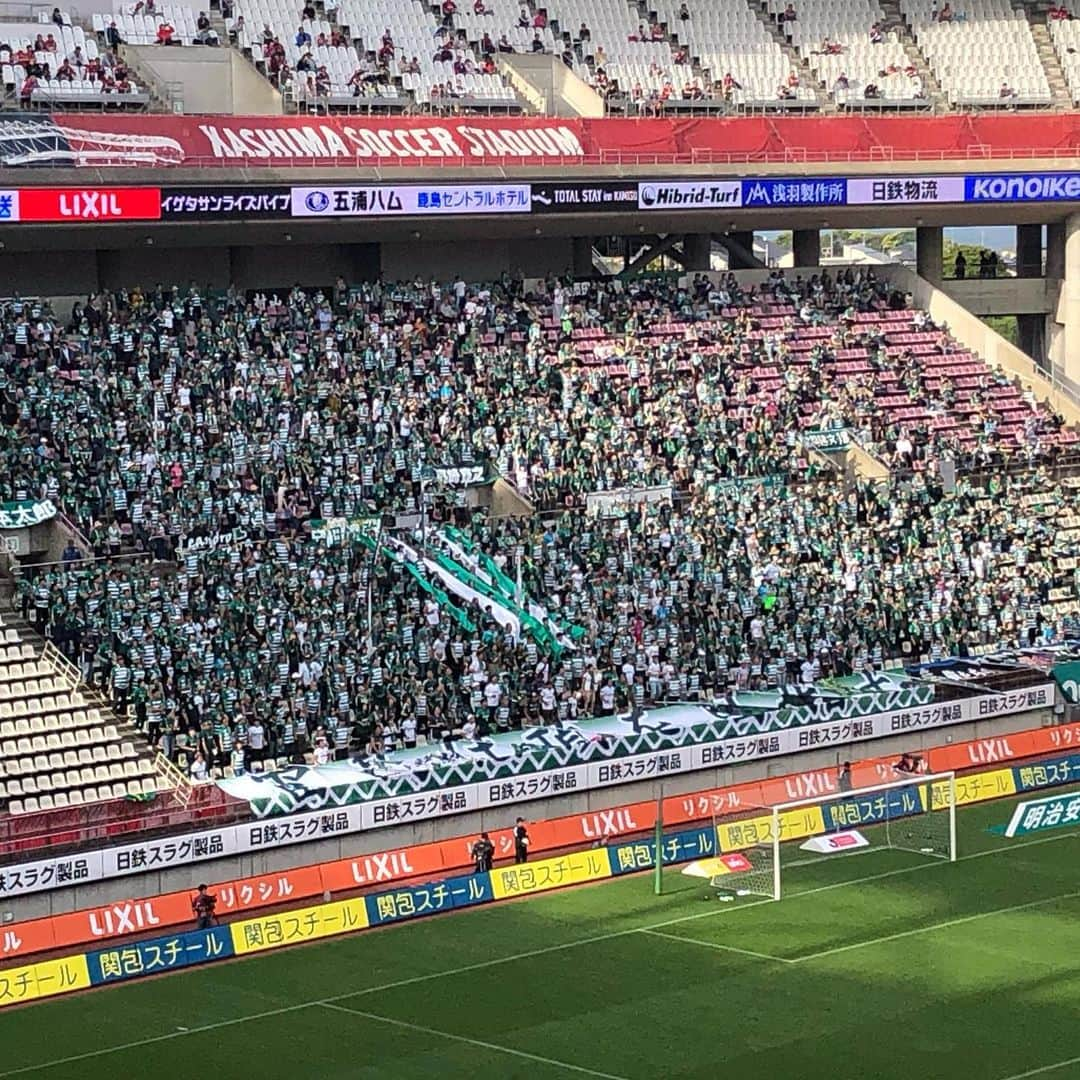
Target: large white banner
{"x": 166, "y": 852}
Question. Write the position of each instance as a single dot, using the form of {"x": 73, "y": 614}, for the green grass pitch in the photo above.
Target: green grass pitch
{"x": 884, "y": 966}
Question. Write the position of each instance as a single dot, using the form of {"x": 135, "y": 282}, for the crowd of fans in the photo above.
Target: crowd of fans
{"x": 208, "y": 429}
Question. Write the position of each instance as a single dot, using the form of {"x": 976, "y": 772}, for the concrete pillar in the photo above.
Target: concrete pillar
{"x": 1031, "y": 334}
{"x": 582, "y": 257}
{"x": 806, "y": 247}
{"x": 744, "y": 240}
{"x": 1069, "y": 305}
{"x": 928, "y": 247}
{"x": 1055, "y": 273}
{"x": 1028, "y": 251}
{"x": 697, "y": 251}
{"x": 1055, "y": 249}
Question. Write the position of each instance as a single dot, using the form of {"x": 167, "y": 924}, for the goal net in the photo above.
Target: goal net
{"x": 756, "y": 845}
{"x": 745, "y": 862}
{"x": 916, "y": 814}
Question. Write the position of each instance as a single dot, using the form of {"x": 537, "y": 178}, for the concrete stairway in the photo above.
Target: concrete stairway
{"x": 895, "y": 21}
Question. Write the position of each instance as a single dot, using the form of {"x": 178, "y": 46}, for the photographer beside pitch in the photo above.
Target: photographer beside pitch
{"x": 204, "y": 904}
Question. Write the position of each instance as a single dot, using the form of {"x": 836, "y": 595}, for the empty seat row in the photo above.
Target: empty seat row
{"x": 33, "y": 804}
{"x": 54, "y": 741}
{"x": 51, "y": 761}
{"x": 14, "y": 670}
{"x": 63, "y": 780}
{"x": 41, "y": 707}
{"x": 10, "y": 653}
{"x": 52, "y": 722}
{"x": 49, "y": 684}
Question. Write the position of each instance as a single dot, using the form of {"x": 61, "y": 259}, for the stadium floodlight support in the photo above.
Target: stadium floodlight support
{"x": 916, "y": 814}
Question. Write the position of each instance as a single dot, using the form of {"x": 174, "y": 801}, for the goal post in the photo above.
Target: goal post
{"x": 746, "y": 849}
{"x": 916, "y": 814}
{"x": 746, "y": 853}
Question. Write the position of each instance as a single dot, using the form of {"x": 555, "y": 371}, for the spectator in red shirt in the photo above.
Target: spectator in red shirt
{"x": 26, "y": 91}
{"x": 65, "y": 72}
{"x": 165, "y": 33}
{"x": 275, "y": 58}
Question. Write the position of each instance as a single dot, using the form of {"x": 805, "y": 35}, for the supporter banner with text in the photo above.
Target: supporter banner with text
{"x": 96, "y": 140}
{"x": 427, "y": 782}
{"x": 434, "y": 859}
{"x": 162, "y": 853}
{"x": 1067, "y": 676}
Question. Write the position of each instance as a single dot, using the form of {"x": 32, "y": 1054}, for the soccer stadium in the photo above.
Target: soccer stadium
{"x": 540, "y": 540}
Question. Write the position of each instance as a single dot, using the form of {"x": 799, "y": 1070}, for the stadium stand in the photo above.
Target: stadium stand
{"x": 141, "y": 24}
{"x": 57, "y": 746}
{"x": 850, "y": 50}
{"x": 59, "y": 64}
{"x": 245, "y": 641}
{"x": 1065, "y": 35}
{"x": 982, "y": 52}
{"x": 628, "y": 51}
{"x": 376, "y": 55}
{"x": 744, "y": 64}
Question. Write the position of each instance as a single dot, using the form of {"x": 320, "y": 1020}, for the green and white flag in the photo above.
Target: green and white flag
{"x": 25, "y": 513}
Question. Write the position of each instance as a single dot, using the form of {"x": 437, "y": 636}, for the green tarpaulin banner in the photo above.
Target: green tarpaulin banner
{"x": 21, "y": 515}
{"x": 1067, "y": 676}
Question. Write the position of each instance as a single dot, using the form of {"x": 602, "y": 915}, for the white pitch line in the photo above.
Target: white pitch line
{"x": 468, "y": 1040}
{"x": 1043, "y": 1069}
{"x": 450, "y": 972}
{"x": 137, "y": 1044}
{"x": 935, "y": 926}
{"x": 717, "y": 945}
